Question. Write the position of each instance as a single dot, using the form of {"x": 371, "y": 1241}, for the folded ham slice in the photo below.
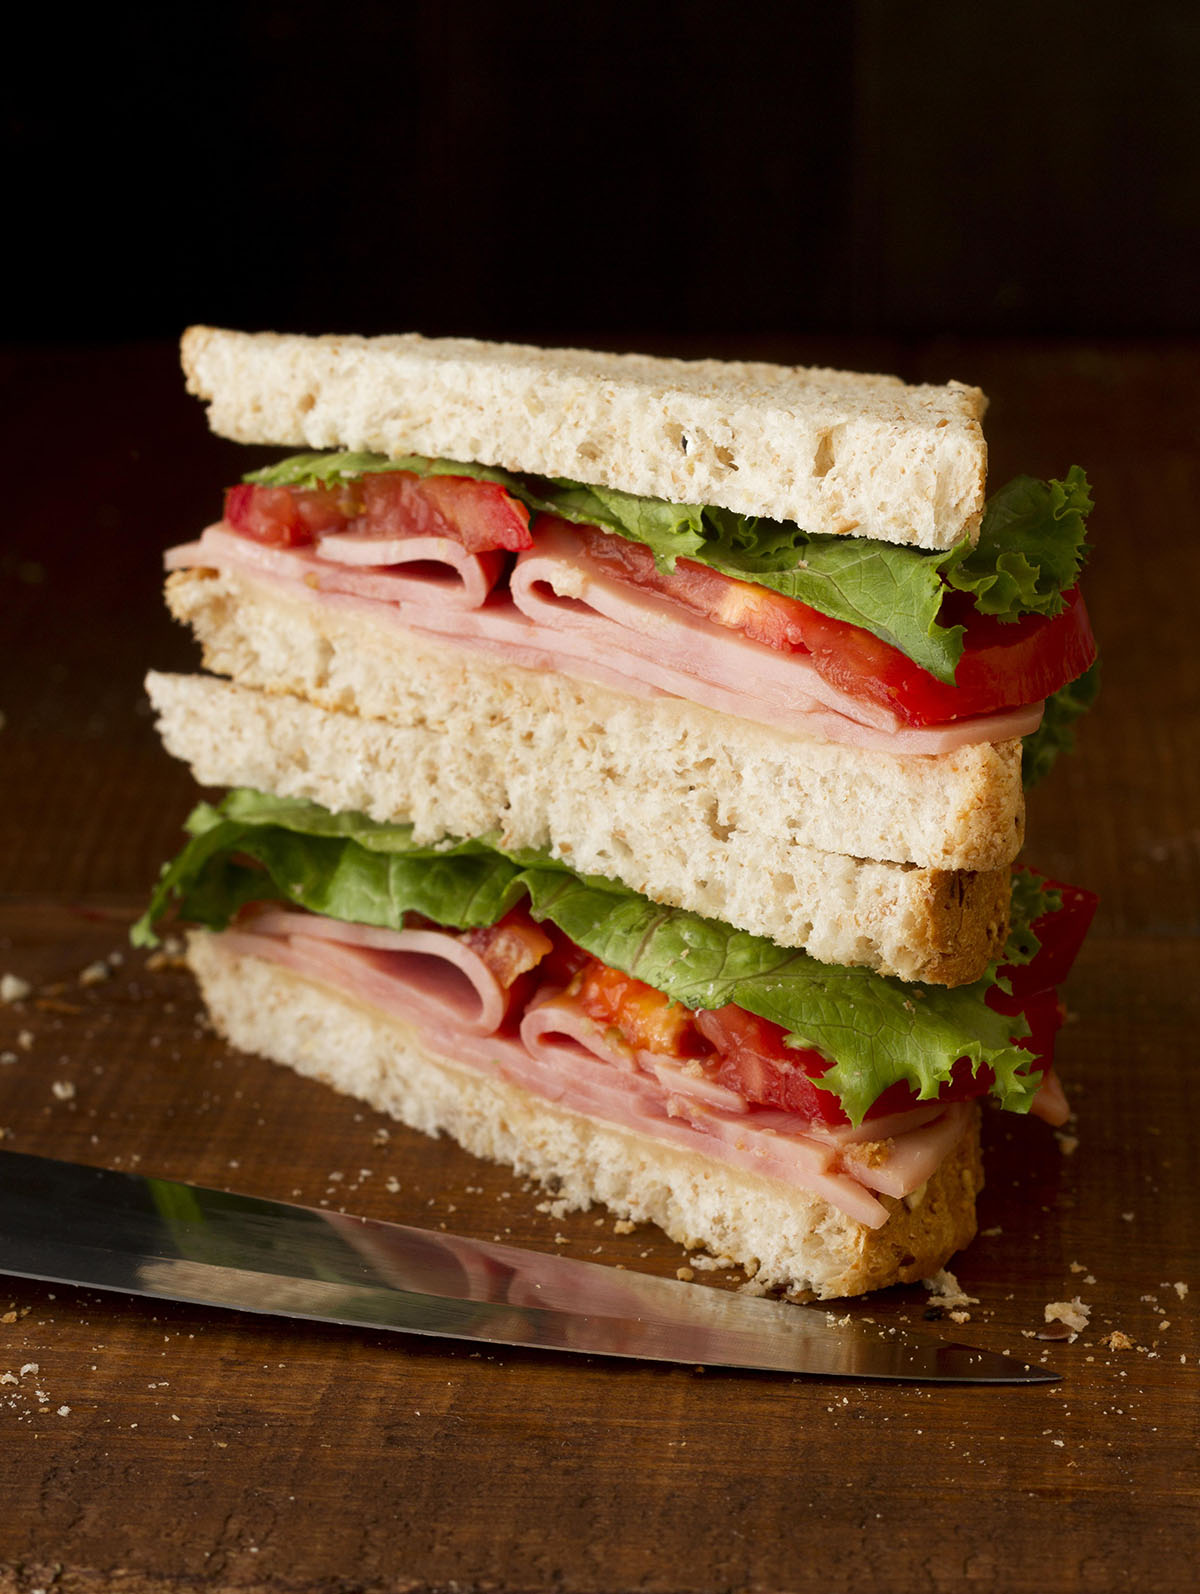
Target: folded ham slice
{"x": 404, "y": 570}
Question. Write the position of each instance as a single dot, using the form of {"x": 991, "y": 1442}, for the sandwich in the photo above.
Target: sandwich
{"x": 625, "y": 762}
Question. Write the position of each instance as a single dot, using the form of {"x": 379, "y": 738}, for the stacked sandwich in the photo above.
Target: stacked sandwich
{"x": 626, "y": 759}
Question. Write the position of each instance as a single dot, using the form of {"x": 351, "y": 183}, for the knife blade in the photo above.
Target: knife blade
{"x": 102, "y": 1229}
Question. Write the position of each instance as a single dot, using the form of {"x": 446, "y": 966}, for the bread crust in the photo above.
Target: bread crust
{"x": 787, "y": 1238}
{"x": 837, "y": 452}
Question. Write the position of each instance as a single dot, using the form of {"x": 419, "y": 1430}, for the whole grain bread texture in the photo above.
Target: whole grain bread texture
{"x": 786, "y": 1237}
{"x": 680, "y": 818}
{"x": 836, "y": 452}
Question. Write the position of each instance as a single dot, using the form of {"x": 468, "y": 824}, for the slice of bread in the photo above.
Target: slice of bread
{"x": 836, "y": 452}
{"x": 786, "y": 1237}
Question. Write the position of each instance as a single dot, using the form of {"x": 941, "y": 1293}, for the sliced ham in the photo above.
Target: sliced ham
{"x": 1050, "y": 1103}
{"x": 569, "y": 1073}
{"x": 415, "y": 570}
{"x": 556, "y": 584}
{"x": 430, "y": 981}
{"x": 559, "y": 586}
{"x": 426, "y": 972}
{"x": 909, "y": 1159}
{"x": 564, "y": 617}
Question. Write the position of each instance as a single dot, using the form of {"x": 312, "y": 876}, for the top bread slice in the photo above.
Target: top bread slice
{"x": 836, "y": 452}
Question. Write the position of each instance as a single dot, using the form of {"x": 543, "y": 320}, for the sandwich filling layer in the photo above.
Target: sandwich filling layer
{"x": 750, "y": 617}
{"x": 559, "y": 610}
{"x": 551, "y": 1046}
{"x": 739, "y": 1024}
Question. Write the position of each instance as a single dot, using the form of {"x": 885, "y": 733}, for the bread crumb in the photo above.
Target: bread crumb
{"x": 711, "y": 1264}
{"x": 1068, "y": 1144}
{"x": 13, "y": 988}
{"x": 95, "y": 973}
{"x": 1180, "y": 1288}
{"x": 1074, "y": 1313}
{"x": 684, "y": 1274}
{"x": 945, "y": 1290}
{"x": 1117, "y": 1341}
{"x": 991, "y": 1234}
{"x": 623, "y": 1226}
{"x": 63, "y": 1090}
{"x": 960, "y": 1317}
{"x": 25, "y": 1040}
{"x": 1078, "y": 1267}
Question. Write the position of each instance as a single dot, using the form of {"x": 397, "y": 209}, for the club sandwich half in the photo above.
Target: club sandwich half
{"x": 626, "y": 761}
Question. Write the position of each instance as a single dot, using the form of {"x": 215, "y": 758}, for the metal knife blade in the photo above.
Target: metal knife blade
{"x": 109, "y": 1230}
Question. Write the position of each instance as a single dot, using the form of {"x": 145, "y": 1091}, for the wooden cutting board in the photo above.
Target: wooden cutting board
{"x": 149, "y": 1447}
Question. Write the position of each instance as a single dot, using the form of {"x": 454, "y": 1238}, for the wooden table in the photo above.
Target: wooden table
{"x": 162, "y": 1448}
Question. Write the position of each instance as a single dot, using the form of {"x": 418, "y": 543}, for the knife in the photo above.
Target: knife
{"x": 102, "y": 1229}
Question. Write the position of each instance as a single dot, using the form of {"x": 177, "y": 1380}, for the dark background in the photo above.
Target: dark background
{"x": 736, "y": 174}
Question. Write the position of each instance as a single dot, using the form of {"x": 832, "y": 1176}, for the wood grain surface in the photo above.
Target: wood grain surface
{"x": 165, "y": 1448}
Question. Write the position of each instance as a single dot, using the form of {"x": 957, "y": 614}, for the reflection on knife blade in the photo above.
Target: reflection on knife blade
{"x": 156, "y": 1237}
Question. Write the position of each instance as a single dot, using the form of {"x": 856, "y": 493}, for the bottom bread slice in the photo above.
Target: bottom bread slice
{"x": 786, "y": 1237}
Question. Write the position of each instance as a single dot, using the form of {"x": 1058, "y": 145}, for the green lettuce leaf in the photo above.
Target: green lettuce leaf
{"x": 873, "y": 1030}
{"x": 327, "y": 470}
{"x": 1031, "y": 547}
{"x": 1041, "y": 749}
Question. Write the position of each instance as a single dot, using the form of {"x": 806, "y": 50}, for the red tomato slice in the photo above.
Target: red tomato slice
{"x": 480, "y": 515}
{"x": 753, "y": 1060}
{"x": 646, "y": 1019}
{"x": 762, "y": 615}
{"x": 287, "y": 517}
{"x": 1061, "y": 935}
{"x": 1003, "y": 666}
{"x": 510, "y": 947}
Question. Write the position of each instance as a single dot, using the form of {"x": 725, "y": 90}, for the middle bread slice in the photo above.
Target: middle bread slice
{"x": 897, "y": 862}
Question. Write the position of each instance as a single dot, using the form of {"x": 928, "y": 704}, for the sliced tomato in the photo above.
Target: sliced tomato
{"x": 753, "y": 1060}
{"x": 1061, "y": 935}
{"x": 1003, "y": 666}
{"x": 511, "y": 947}
{"x": 762, "y": 615}
{"x": 288, "y": 517}
{"x": 646, "y": 1019}
{"x": 480, "y": 515}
